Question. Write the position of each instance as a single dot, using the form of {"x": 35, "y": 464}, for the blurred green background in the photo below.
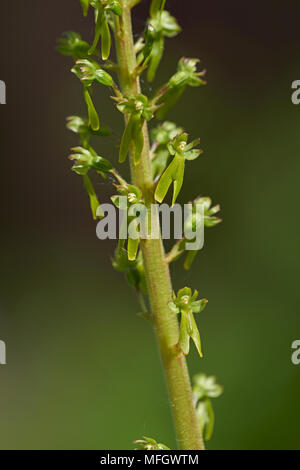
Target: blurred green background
{"x": 83, "y": 371}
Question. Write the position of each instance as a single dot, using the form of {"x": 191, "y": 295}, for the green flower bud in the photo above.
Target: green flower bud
{"x": 139, "y": 110}
{"x": 204, "y": 389}
{"x": 86, "y": 160}
{"x": 147, "y": 443}
{"x": 73, "y": 45}
{"x": 89, "y": 71}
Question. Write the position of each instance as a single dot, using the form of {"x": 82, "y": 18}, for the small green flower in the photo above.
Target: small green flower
{"x": 160, "y": 25}
{"x": 175, "y": 171}
{"x": 205, "y": 388}
{"x": 161, "y": 136}
{"x": 103, "y": 11}
{"x": 201, "y": 209}
{"x": 80, "y": 125}
{"x": 149, "y": 444}
{"x": 134, "y": 196}
{"x": 89, "y": 71}
{"x": 133, "y": 270}
{"x": 186, "y": 304}
{"x": 186, "y": 75}
{"x": 87, "y": 159}
{"x": 138, "y": 111}
{"x": 72, "y": 44}
{"x": 209, "y": 214}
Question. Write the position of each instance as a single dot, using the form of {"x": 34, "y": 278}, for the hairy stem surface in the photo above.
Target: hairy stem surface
{"x": 156, "y": 268}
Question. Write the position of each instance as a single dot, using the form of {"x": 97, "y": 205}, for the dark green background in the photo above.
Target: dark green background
{"x": 83, "y": 370}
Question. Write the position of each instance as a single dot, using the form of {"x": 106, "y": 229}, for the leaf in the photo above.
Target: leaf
{"x": 93, "y": 116}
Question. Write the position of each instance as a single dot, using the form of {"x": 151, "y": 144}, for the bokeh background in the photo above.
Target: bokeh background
{"x": 83, "y": 370}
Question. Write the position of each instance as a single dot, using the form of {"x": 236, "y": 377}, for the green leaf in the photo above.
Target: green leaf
{"x": 93, "y": 116}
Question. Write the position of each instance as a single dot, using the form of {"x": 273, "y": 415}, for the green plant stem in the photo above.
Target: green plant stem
{"x": 156, "y": 268}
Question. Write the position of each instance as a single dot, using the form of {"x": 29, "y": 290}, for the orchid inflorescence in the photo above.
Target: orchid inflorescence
{"x": 171, "y": 149}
